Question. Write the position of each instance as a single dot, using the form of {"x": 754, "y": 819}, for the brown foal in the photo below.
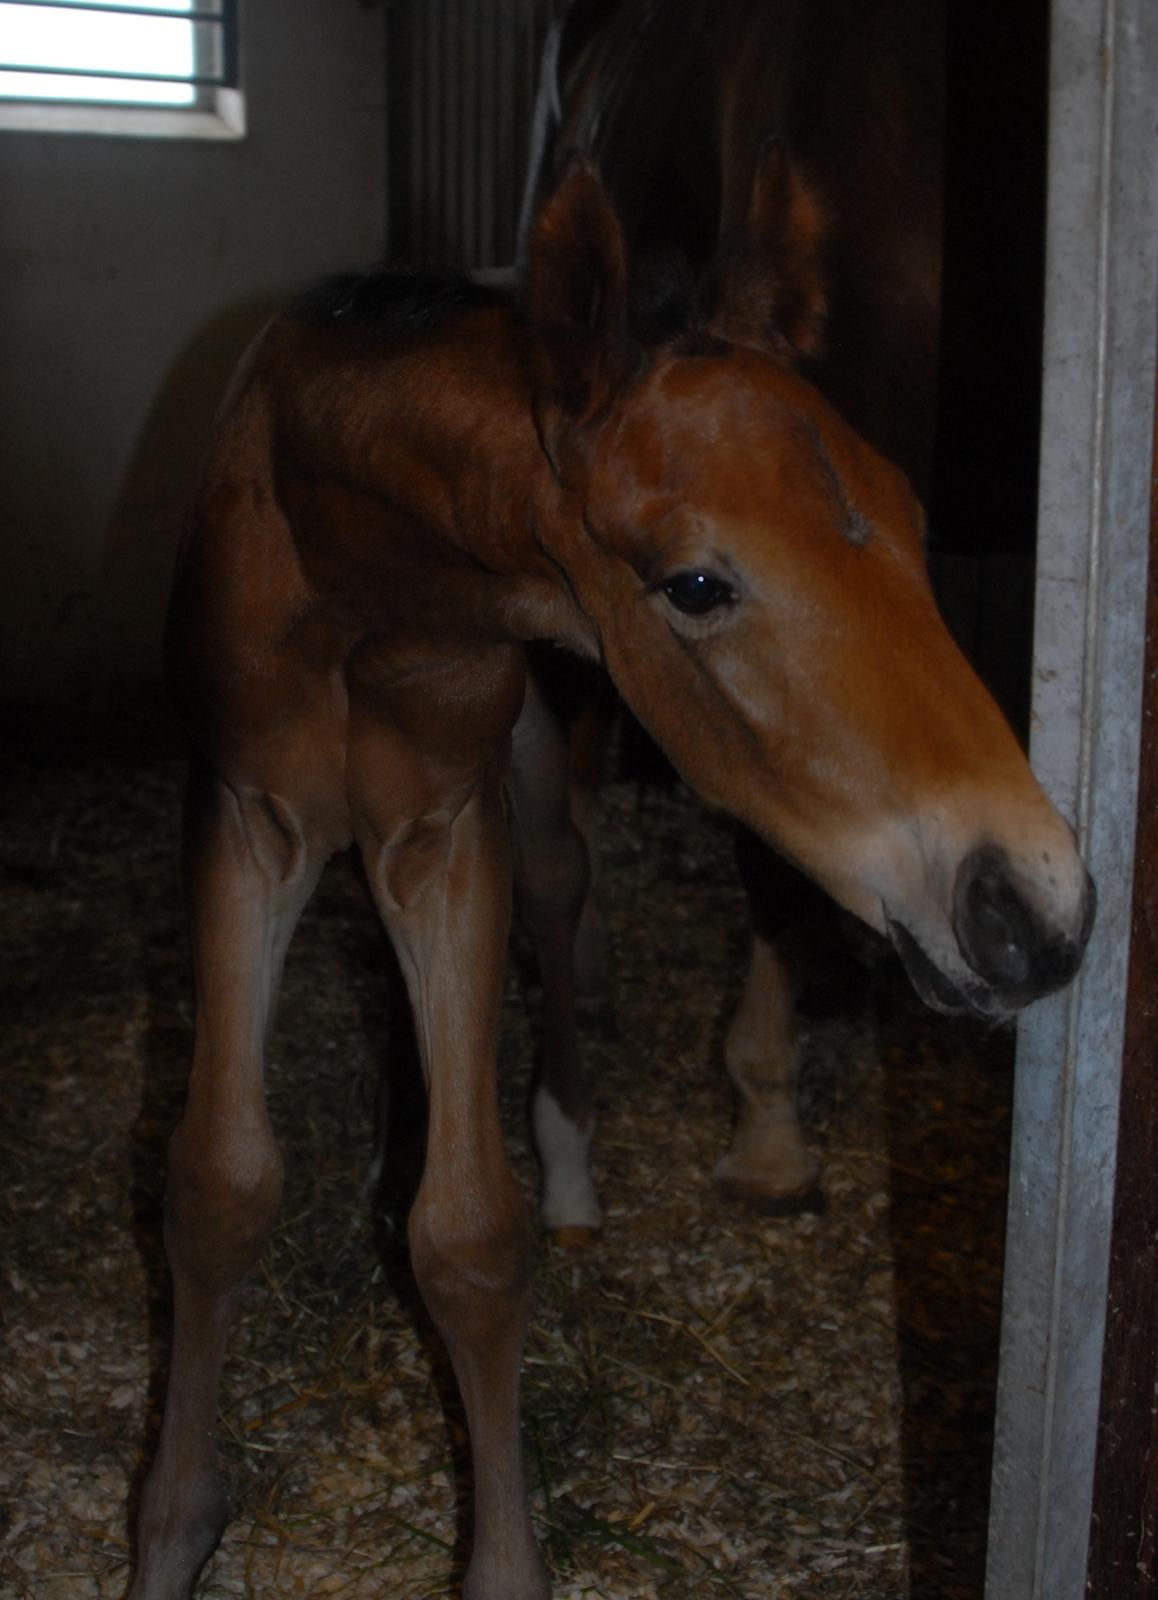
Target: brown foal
{"x": 671, "y": 101}
{"x": 410, "y": 480}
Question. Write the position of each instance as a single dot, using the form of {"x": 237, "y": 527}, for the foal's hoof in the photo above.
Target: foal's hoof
{"x": 573, "y": 1237}
{"x": 176, "y": 1535}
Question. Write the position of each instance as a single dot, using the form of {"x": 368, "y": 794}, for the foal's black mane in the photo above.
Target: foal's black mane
{"x": 391, "y": 302}
{"x": 666, "y": 301}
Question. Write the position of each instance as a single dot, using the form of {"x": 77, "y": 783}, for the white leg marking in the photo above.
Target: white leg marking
{"x": 569, "y": 1197}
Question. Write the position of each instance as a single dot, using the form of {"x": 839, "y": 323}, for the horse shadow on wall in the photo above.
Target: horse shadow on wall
{"x": 154, "y": 500}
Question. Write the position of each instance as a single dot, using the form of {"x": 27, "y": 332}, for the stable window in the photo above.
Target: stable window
{"x": 165, "y": 68}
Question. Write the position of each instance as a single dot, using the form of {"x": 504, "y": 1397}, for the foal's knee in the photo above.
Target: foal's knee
{"x": 471, "y": 1255}
{"x": 222, "y": 1198}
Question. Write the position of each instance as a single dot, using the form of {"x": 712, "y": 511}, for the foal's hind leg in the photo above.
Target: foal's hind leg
{"x": 551, "y": 880}
{"x": 251, "y": 870}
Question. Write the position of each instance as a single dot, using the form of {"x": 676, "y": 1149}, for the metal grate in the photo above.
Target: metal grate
{"x": 462, "y": 81}
{"x": 124, "y": 49}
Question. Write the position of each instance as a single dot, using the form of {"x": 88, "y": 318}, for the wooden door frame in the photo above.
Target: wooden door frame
{"x": 1123, "y": 1562}
{"x": 1093, "y": 525}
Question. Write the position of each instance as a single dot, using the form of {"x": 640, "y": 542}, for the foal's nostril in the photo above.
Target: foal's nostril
{"x": 997, "y": 932}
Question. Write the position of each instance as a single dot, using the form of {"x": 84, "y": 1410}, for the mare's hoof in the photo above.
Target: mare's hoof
{"x": 573, "y": 1237}
{"x": 762, "y": 1192}
{"x": 768, "y": 1168}
{"x": 769, "y": 1202}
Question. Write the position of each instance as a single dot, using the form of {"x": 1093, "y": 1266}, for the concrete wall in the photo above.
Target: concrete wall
{"x": 132, "y": 273}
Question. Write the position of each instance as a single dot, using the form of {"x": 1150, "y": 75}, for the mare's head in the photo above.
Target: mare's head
{"x": 754, "y": 575}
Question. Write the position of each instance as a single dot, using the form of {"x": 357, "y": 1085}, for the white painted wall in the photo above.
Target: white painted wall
{"x": 132, "y": 273}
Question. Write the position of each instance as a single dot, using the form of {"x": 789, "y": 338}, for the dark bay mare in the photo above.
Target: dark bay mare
{"x": 413, "y": 479}
{"x": 675, "y": 100}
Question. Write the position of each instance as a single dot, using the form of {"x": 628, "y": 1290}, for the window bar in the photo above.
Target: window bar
{"x": 195, "y": 15}
{"x": 471, "y": 25}
{"x": 431, "y": 191}
{"x": 489, "y": 108}
{"x": 448, "y": 91}
{"x": 230, "y": 47}
{"x": 198, "y": 79}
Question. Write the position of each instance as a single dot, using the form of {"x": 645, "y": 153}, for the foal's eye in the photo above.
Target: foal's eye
{"x": 697, "y": 593}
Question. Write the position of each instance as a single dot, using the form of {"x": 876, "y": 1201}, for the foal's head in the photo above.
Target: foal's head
{"x": 754, "y": 574}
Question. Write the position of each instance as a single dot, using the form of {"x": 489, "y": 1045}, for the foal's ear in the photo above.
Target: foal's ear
{"x": 769, "y": 274}
{"x": 576, "y": 296}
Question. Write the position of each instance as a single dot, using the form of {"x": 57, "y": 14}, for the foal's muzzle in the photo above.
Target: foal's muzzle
{"x": 1013, "y": 945}
{"x": 1013, "y": 949}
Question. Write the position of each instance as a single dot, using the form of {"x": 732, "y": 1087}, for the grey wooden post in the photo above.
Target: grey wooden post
{"x": 1097, "y": 421}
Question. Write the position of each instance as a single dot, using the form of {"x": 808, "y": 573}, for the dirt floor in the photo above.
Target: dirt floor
{"x": 716, "y": 1403}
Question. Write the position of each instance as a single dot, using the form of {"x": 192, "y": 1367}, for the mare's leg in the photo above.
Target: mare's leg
{"x": 551, "y": 879}
{"x": 251, "y": 869}
{"x": 583, "y": 707}
{"x": 439, "y": 867}
{"x": 588, "y": 739}
{"x": 768, "y": 1161}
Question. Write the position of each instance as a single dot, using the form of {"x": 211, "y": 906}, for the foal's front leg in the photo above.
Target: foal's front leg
{"x": 443, "y": 885}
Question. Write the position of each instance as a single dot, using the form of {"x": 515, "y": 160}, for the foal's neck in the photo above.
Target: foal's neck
{"x": 463, "y": 407}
